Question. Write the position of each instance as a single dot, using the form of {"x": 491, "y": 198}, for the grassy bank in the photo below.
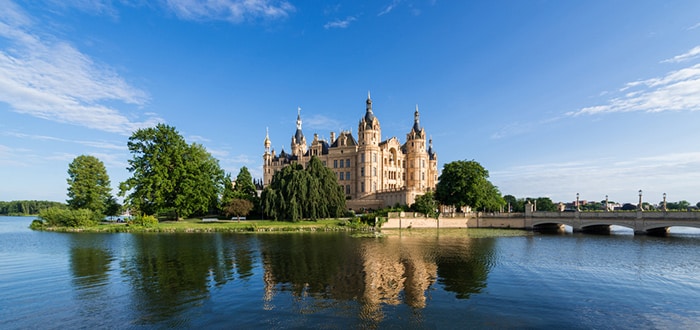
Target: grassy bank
{"x": 199, "y": 226}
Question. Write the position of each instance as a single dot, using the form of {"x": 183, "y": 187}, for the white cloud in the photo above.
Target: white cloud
{"x": 691, "y": 54}
{"x": 340, "y": 24}
{"x": 677, "y": 91}
{"x": 672, "y": 173}
{"x": 389, "y": 8}
{"x": 234, "y": 11}
{"x": 50, "y": 79}
{"x": 95, "y": 144}
{"x": 321, "y": 122}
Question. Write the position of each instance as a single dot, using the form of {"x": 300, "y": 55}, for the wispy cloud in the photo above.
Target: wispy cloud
{"x": 94, "y": 144}
{"x": 234, "y": 11}
{"x": 50, "y": 79}
{"x": 389, "y": 7}
{"x": 676, "y": 91}
{"x": 340, "y": 24}
{"x": 595, "y": 178}
{"x": 691, "y": 54}
{"x": 321, "y": 122}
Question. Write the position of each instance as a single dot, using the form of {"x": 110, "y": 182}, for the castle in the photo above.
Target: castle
{"x": 372, "y": 173}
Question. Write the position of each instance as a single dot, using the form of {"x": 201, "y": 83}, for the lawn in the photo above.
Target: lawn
{"x": 196, "y": 225}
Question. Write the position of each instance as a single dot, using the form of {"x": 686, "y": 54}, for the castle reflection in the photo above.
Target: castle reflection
{"x": 396, "y": 269}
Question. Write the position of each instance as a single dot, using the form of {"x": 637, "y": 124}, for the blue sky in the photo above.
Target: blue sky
{"x": 554, "y": 98}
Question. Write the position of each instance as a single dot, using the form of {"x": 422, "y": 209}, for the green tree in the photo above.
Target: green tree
{"x": 239, "y": 207}
{"x": 88, "y": 184}
{"x": 465, "y": 183}
{"x": 426, "y": 204}
{"x": 296, "y": 193}
{"x": 545, "y": 204}
{"x": 113, "y": 208}
{"x": 516, "y": 204}
{"x": 168, "y": 175}
{"x": 244, "y": 183}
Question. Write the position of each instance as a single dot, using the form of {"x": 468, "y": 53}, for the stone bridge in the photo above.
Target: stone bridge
{"x": 649, "y": 222}
{"x": 655, "y": 223}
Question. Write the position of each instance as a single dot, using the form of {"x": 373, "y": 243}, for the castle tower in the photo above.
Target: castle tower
{"x": 369, "y": 134}
{"x": 417, "y": 164}
{"x": 299, "y": 146}
{"x": 267, "y": 159}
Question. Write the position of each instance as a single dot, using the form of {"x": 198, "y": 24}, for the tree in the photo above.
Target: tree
{"x": 113, "y": 208}
{"x": 545, "y": 204}
{"x": 296, "y": 193}
{"x": 426, "y": 204}
{"x": 238, "y": 207}
{"x": 88, "y": 184}
{"x": 244, "y": 183}
{"x": 465, "y": 183}
{"x": 168, "y": 175}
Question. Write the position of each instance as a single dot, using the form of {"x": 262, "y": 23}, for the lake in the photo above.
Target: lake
{"x": 475, "y": 278}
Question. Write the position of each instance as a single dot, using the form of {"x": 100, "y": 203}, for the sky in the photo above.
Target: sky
{"x": 553, "y": 98}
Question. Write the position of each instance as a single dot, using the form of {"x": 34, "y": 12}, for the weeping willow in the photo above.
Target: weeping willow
{"x": 297, "y": 193}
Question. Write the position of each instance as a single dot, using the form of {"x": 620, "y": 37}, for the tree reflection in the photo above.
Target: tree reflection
{"x": 170, "y": 273}
{"x": 374, "y": 271}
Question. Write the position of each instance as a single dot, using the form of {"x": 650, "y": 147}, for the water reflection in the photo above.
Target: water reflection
{"x": 171, "y": 275}
{"x": 171, "y": 272}
{"x": 375, "y": 272}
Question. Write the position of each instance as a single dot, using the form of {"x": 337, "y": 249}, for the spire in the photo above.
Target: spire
{"x": 298, "y": 118}
{"x": 299, "y": 136}
{"x": 267, "y": 139}
{"x": 369, "y": 115}
{"x": 416, "y": 122}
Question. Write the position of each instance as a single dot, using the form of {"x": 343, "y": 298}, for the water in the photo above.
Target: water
{"x": 417, "y": 279}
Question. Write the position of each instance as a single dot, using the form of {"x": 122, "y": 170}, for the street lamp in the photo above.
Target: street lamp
{"x": 640, "y": 200}
{"x": 665, "y": 202}
{"x": 577, "y": 204}
{"x": 606, "y": 204}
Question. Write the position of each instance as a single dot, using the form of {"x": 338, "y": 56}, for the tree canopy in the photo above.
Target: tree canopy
{"x": 426, "y": 204}
{"x": 465, "y": 183}
{"x": 88, "y": 185}
{"x": 244, "y": 184}
{"x": 168, "y": 175}
{"x": 296, "y": 193}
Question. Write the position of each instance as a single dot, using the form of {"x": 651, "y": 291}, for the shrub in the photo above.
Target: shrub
{"x": 36, "y": 224}
{"x": 145, "y": 220}
{"x": 61, "y": 217}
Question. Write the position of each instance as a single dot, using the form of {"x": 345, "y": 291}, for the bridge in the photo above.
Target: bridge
{"x": 652, "y": 223}
{"x": 643, "y": 223}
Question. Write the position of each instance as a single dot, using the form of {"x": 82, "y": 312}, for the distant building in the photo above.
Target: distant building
{"x": 372, "y": 173}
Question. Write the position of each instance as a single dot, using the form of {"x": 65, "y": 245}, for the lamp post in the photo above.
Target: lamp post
{"x": 577, "y": 204}
{"x": 607, "y": 208}
{"x": 640, "y": 200}
{"x": 665, "y": 209}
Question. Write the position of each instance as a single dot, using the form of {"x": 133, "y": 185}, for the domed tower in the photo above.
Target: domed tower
{"x": 267, "y": 160}
{"x": 369, "y": 134}
{"x": 299, "y": 146}
{"x": 433, "y": 171}
{"x": 417, "y": 164}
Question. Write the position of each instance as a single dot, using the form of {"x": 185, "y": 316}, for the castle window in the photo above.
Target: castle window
{"x": 342, "y": 164}
{"x": 362, "y": 171}
{"x": 335, "y": 163}
{"x": 362, "y": 158}
{"x": 347, "y": 162}
{"x": 362, "y": 187}
{"x": 347, "y": 175}
{"x": 374, "y": 171}
{"x": 342, "y": 176}
{"x": 347, "y": 189}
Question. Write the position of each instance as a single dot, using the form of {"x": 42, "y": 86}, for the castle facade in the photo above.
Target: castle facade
{"x": 372, "y": 173}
